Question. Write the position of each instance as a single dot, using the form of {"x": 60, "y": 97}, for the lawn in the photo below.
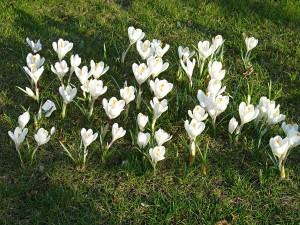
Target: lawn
{"x": 240, "y": 185}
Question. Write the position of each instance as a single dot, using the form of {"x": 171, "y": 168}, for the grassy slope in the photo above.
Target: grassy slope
{"x": 59, "y": 194}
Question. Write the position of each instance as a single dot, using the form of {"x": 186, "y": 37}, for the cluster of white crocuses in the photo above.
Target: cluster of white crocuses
{"x": 18, "y": 136}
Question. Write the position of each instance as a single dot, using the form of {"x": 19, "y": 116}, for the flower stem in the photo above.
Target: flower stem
{"x": 125, "y": 53}
{"x": 70, "y": 75}
{"x": 202, "y": 67}
{"x": 92, "y": 108}
{"x": 20, "y": 156}
{"x": 126, "y": 111}
{"x": 33, "y": 154}
{"x": 112, "y": 141}
{"x": 37, "y": 93}
{"x": 63, "y": 112}
{"x": 85, "y": 152}
{"x": 153, "y": 125}
{"x": 281, "y": 169}
{"x": 214, "y": 125}
{"x": 139, "y": 98}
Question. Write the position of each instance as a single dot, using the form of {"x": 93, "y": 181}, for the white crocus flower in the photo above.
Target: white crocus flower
{"x": 60, "y": 69}
{"x": 143, "y": 139}
{"x": 68, "y": 93}
{"x": 161, "y": 137}
{"x": 287, "y": 127}
{"x": 160, "y": 87}
{"x": 294, "y": 137}
{"x": 198, "y": 113}
{"x": 247, "y": 113}
{"x": 215, "y": 87}
{"x": 127, "y": 93}
{"x": 35, "y": 45}
{"x": 34, "y": 60}
{"x": 144, "y": 49}
{"x": 141, "y": 72}
{"x": 113, "y": 107}
{"x": 28, "y": 92}
{"x": 188, "y": 67}
{"x": 156, "y": 46}
{"x": 157, "y": 154}
{"x": 18, "y": 136}
{"x": 157, "y": 66}
{"x": 99, "y": 69}
{"x": 221, "y": 104}
{"x": 251, "y": 43}
{"x": 184, "y": 53}
{"x": 233, "y": 123}
{"x": 135, "y": 35}
{"x": 158, "y": 108}
{"x": 48, "y": 108}
{"x": 193, "y": 128}
{"x": 88, "y": 136}
{"x": 34, "y": 72}
{"x": 215, "y": 70}
{"x": 96, "y": 88}
{"x": 142, "y": 121}
{"x": 23, "y": 119}
{"x": 217, "y": 42}
{"x": 62, "y": 48}
{"x": 42, "y": 136}
{"x": 75, "y": 62}
{"x": 83, "y": 74}
{"x": 262, "y": 106}
{"x": 205, "y": 49}
{"x": 274, "y": 115}
{"x": 117, "y": 133}
{"x": 279, "y": 146}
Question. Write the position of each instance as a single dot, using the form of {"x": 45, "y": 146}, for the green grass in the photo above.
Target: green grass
{"x": 52, "y": 191}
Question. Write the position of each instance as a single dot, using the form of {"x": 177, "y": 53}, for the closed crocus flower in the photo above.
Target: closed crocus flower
{"x": 156, "y": 45}
{"x": 60, "y": 69}
{"x": 23, "y": 119}
{"x": 141, "y": 72}
{"x": 158, "y": 107}
{"x": 198, "y": 113}
{"x": 117, "y": 132}
{"x": 194, "y": 128}
{"x": 217, "y": 42}
{"x": 28, "y": 92}
{"x": 247, "y": 113}
{"x": 83, "y": 74}
{"x": 184, "y": 53}
{"x": 48, "y": 108}
{"x": 96, "y": 88}
{"x": 127, "y": 93}
{"x": 161, "y": 137}
{"x": 157, "y": 154}
{"x": 157, "y": 66}
{"x": 232, "y": 125}
{"x": 143, "y": 139}
{"x": 205, "y": 49}
{"x": 279, "y": 146}
{"x": 99, "y": 69}
{"x": 62, "y": 48}
{"x": 42, "y": 136}
{"x": 34, "y": 60}
{"x": 215, "y": 87}
{"x": 142, "y": 121}
{"x": 287, "y": 127}
{"x": 113, "y": 107}
{"x": 294, "y": 137}
{"x": 188, "y": 67}
{"x": 88, "y": 136}
{"x": 160, "y": 87}
{"x": 35, "y": 45}
{"x": 251, "y": 43}
{"x": 221, "y": 104}
{"x": 68, "y": 93}
{"x": 34, "y": 72}
{"x": 135, "y": 35}
{"x": 75, "y": 62}
{"x": 18, "y": 136}
{"x": 215, "y": 70}
{"x": 144, "y": 49}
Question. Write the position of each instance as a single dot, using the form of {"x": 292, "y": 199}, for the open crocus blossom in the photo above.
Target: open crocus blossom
{"x": 35, "y": 45}
{"x": 34, "y": 60}
{"x": 42, "y": 136}
{"x": 247, "y": 113}
{"x": 205, "y": 49}
{"x": 143, "y": 139}
{"x": 193, "y": 128}
{"x": 113, "y": 107}
{"x": 157, "y": 154}
{"x": 18, "y": 136}
{"x": 60, "y": 69}
{"x": 135, "y": 35}
{"x": 34, "y": 72}
{"x": 184, "y": 53}
{"x": 274, "y": 115}
{"x": 287, "y": 127}
{"x": 142, "y": 121}
{"x": 156, "y": 45}
{"x": 88, "y": 136}
{"x": 198, "y": 113}
{"x": 48, "y": 108}
{"x": 251, "y": 43}
{"x": 96, "y": 88}
{"x": 233, "y": 123}
{"x": 215, "y": 70}
{"x": 98, "y": 69}
{"x": 62, "y": 48}
{"x": 23, "y": 119}
{"x": 68, "y": 93}
{"x": 144, "y": 49}
{"x": 160, "y": 87}
{"x": 83, "y": 74}
{"x": 158, "y": 108}
{"x": 117, "y": 133}
{"x": 127, "y": 93}
{"x": 141, "y": 72}
{"x": 215, "y": 87}
{"x": 161, "y": 137}
{"x": 157, "y": 66}
{"x": 188, "y": 67}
